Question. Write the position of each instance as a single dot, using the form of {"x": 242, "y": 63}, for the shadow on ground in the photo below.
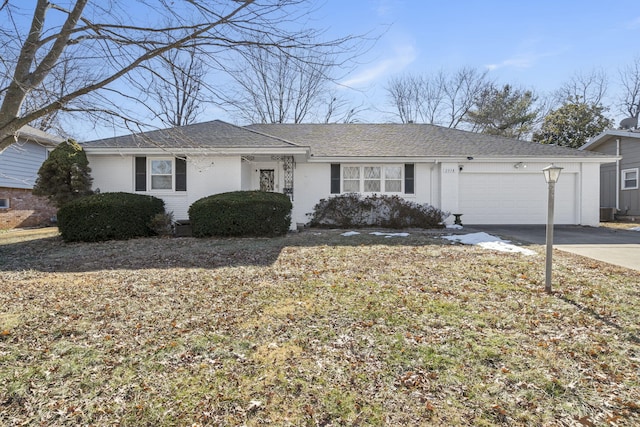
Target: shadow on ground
{"x": 51, "y": 254}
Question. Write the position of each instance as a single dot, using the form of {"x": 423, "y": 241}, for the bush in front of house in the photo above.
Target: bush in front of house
{"x": 353, "y": 210}
{"x": 241, "y": 213}
{"x": 108, "y": 216}
{"x": 65, "y": 175}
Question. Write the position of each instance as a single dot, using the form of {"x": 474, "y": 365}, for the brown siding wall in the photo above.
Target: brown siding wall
{"x": 25, "y": 209}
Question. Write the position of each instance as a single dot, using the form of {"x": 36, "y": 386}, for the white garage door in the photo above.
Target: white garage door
{"x": 504, "y": 198}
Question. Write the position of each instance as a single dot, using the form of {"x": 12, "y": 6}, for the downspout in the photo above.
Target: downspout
{"x": 618, "y": 175}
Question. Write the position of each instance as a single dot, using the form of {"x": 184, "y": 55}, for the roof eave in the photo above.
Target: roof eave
{"x": 29, "y": 133}
{"x": 606, "y": 135}
{"x": 604, "y": 158}
{"x": 203, "y": 151}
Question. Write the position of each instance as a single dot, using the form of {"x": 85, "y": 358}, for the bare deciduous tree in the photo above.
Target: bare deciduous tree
{"x": 274, "y": 86}
{"x": 589, "y": 88}
{"x": 630, "y": 83}
{"x": 338, "y": 110}
{"x": 177, "y": 87}
{"x": 407, "y": 94}
{"x": 442, "y": 99}
{"x": 110, "y": 43}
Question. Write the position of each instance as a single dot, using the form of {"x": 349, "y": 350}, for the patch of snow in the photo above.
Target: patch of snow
{"x": 386, "y": 235}
{"x": 488, "y": 241}
{"x": 635, "y": 229}
{"x": 455, "y": 226}
{"x": 350, "y": 233}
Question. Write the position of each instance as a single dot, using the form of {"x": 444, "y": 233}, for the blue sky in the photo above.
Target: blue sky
{"x": 530, "y": 44}
{"x": 537, "y": 45}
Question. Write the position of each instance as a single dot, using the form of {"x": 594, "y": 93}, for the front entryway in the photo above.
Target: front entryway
{"x": 267, "y": 178}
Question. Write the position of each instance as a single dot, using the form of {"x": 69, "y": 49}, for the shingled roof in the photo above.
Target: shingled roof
{"x": 214, "y": 134}
{"x": 408, "y": 140}
{"x": 340, "y": 140}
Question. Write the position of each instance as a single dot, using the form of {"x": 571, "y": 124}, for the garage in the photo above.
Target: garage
{"x": 515, "y": 198}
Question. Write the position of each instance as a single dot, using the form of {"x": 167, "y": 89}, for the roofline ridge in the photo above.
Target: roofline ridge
{"x": 286, "y": 141}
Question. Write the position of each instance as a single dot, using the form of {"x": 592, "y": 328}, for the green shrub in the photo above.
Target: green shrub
{"x": 65, "y": 175}
{"x": 241, "y": 213}
{"x": 108, "y": 216}
{"x": 353, "y": 210}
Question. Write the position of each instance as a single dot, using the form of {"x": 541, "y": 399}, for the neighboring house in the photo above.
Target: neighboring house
{"x": 19, "y": 165}
{"x": 619, "y": 189}
{"x": 488, "y": 179}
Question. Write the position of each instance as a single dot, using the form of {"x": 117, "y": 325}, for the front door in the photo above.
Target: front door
{"x": 267, "y": 177}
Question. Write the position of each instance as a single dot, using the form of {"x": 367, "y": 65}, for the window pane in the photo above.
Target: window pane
{"x": 351, "y": 186}
{"x": 630, "y": 179}
{"x": 351, "y": 172}
{"x": 160, "y": 167}
{"x": 371, "y": 186}
{"x": 393, "y": 172}
{"x": 372, "y": 172}
{"x": 161, "y": 182}
{"x": 393, "y": 186}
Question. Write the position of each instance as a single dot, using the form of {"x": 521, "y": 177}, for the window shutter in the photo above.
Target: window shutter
{"x": 409, "y": 178}
{"x": 181, "y": 174}
{"x": 141, "y": 174}
{"x": 335, "y": 178}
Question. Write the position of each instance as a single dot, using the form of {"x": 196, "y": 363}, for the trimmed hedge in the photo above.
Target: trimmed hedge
{"x": 108, "y": 216}
{"x": 352, "y": 210}
{"x": 241, "y": 213}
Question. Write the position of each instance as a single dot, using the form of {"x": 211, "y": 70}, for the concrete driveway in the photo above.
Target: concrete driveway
{"x": 615, "y": 246}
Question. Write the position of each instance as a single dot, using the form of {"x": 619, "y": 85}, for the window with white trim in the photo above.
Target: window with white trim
{"x": 160, "y": 174}
{"x": 629, "y": 179}
{"x": 374, "y": 178}
{"x": 4, "y": 203}
{"x": 351, "y": 179}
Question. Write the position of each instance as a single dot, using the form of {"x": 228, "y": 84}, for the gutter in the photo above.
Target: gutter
{"x": 222, "y": 151}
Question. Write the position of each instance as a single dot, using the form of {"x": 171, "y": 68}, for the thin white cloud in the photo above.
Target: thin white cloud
{"x": 518, "y": 61}
{"x": 384, "y": 8}
{"x": 633, "y": 24}
{"x": 522, "y": 60}
{"x": 403, "y": 56}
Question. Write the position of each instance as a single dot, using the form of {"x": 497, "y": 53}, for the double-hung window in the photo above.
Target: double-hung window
{"x": 372, "y": 181}
{"x": 629, "y": 179}
{"x": 351, "y": 179}
{"x": 160, "y": 174}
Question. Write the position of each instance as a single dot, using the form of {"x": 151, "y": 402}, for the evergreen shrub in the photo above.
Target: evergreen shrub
{"x": 65, "y": 175}
{"x": 108, "y": 216}
{"x": 241, "y": 213}
{"x": 353, "y": 210}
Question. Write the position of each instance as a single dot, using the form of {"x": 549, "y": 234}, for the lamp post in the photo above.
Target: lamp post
{"x": 551, "y": 175}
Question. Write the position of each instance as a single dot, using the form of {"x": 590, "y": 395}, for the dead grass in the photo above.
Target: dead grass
{"x": 312, "y": 329}
{"x": 620, "y": 225}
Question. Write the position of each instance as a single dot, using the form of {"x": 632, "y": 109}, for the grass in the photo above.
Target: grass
{"x": 312, "y": 329}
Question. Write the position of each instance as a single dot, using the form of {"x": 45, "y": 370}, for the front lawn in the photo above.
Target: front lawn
{"x": 313, "y": 329}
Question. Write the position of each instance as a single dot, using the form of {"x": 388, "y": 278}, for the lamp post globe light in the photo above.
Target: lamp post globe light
{"x": 551, "y": 176}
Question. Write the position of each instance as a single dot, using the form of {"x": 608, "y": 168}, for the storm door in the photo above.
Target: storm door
{"x": 267, "y": 177}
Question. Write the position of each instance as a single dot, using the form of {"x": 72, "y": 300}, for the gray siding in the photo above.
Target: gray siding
{"x": 630, "y": 152}
{"x": 19, "y": 164}
{"x": 607, "y": 186}
{"x": 630, "y": 199}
